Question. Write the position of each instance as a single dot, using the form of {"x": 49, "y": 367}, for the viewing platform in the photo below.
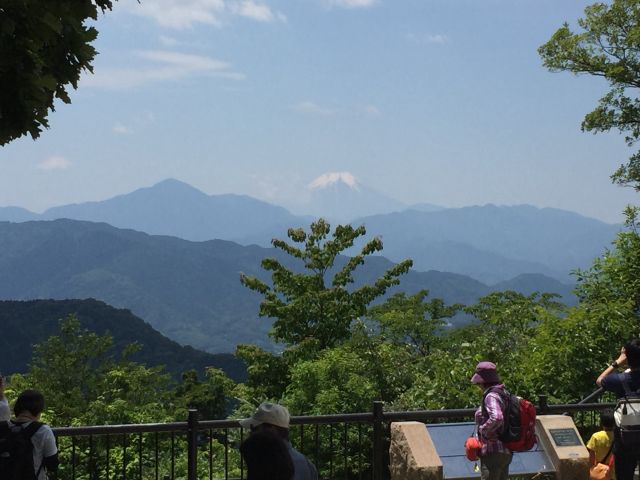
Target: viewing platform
{"x": 342, "y": 446}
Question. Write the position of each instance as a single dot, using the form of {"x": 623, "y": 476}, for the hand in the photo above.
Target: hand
{"x": 622, "y": 359}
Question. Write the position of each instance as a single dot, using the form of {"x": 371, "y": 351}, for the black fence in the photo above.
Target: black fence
{"x": 350, "y": 446}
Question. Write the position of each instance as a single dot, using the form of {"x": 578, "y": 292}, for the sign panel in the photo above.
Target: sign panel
{"x": 565, "y": 437}
{"x": 449, "y": 439}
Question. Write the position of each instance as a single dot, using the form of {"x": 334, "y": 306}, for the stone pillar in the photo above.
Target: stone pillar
{"x": 412, "y": 453}
{"x": 561, "y": 441}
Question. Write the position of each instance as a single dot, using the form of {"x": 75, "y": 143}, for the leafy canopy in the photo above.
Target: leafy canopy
{"x": 311, "y": 309}
{"x": 607, "y": 46}
{"x": 44, "y": 47}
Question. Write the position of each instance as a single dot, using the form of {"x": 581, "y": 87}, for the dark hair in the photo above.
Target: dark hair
{"x": 267, "y": 456}
{"x": 282, "y": 432}
{"x": 31, "y": 401}
{"x": 606, "y": 420}
{"x": 632, "y": 350}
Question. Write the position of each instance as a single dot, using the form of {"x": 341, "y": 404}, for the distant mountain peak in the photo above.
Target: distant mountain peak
{"x": 335, "y": 178}
{"x": 172, "y": 183}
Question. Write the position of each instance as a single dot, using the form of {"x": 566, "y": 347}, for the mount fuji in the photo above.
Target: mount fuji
{"x": 339, "y": 197}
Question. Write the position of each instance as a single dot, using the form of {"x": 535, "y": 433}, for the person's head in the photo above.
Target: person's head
{"x": 30, "y": 402}
{"x": 486, "y": 375}
{"x": 269, "y": 416}
{"x": 267, "y": 457}
{"x": 632, "y": 350}
{"x": 607, "y": 421}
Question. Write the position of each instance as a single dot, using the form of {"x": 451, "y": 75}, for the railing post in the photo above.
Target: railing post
{"x": 192, "y": 444}
{"x": 378, "y": 454}
{"x": 543, "y": 406}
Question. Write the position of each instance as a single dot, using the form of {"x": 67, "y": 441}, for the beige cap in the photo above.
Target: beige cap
{"x": 270, "y": 413}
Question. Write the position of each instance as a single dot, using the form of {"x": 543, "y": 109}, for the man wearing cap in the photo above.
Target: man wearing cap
{"x": 275, "y": 418}
{"x": 494, "y": 456}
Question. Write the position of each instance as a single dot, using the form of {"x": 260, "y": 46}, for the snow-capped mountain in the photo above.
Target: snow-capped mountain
{"x": 339, "y": 196}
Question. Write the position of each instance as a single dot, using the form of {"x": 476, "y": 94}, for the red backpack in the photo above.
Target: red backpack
{"x": 519, "y": 427}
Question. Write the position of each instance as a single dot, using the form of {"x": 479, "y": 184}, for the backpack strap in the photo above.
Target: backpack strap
{"x": 624, "y": 379}
{"x": 30, "y": 429}
{"x": 502, "y": 393}
{"x": 607, "y": 455}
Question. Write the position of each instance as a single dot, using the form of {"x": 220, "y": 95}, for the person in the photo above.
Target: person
{"x": 27, "y": 410}
{"x": 600, "y": 445}
{"x": 267, "y": 457}
{"x": 5, "y": 411}
{"x": 626, "y": 459}
{"x": 275, "y": 418}
{"x": 495, "y": 458}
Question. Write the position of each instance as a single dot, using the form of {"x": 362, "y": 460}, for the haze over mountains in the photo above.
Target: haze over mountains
{"x": 489, "y": 243}
{"x": 189, "y": 291}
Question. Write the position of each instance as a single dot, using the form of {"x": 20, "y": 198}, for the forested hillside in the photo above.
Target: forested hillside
{"x": 189, "y": 291}
{"x": 25, "y": 323}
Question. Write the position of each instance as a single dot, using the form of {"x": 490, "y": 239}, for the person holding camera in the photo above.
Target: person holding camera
{"x": 624, "y": 385}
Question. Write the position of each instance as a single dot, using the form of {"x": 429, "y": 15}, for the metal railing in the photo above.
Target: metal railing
{"x": 350, "y": 446}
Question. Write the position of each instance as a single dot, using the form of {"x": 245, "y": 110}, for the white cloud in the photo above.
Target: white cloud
{"x": 168, "y": 41}
{"x": 180, "y": 14}
{"x": 54, "y": 162}
{"x": 122, "y": 129}
{"x": 162, "y": 65}
{"x": 372, "y": 111}
{"x": 313, "y": 109}
{"x": 426, "y": 38}
{"x": 255, "y": 11}
{"x": 351, "y": 3}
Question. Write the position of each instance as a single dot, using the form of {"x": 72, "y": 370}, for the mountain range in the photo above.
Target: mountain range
{"x": 493, "y": 243}
{"x": 489, "y": 243}
{"x": 189, "y": 291}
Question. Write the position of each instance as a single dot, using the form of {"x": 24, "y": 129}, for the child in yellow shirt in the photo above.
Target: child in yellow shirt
{"x": 599, "y": 445}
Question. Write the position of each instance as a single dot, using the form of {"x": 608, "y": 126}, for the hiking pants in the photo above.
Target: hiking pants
{"x": 495, "y": 466}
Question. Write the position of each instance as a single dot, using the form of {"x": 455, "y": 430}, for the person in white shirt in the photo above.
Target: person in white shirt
{"x": 27, "y": 409}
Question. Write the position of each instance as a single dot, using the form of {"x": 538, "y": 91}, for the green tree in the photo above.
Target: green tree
{"x": 349, "y": 377}
{"x": 607, "y": 45}
{"x": 209, "y": 396}
{"x": 615, "y": 277}
{"x": 85, "y": 385}
{"x": 44, "y": 47}
{"x": 267, "y": 375}
{"x": 313, "y": 311}
{"x": 412, "y": 321}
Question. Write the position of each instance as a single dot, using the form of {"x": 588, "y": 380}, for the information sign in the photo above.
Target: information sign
{"x": 565, "y": 437}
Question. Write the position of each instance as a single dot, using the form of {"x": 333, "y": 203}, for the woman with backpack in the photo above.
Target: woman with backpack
{"x": 626, "y": 386}
{"x": 495, "y": 457}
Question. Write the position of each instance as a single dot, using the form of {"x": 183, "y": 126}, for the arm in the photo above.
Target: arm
{"x": 489, "y": 429}
{"x": 620, "y": 362}
{"x": 51, "y": 463}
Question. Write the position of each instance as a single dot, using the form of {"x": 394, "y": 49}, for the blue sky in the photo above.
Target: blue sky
{"x": 439, "y": 101}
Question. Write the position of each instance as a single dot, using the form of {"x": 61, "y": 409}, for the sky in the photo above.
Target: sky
{"x": 437, "y": 101}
